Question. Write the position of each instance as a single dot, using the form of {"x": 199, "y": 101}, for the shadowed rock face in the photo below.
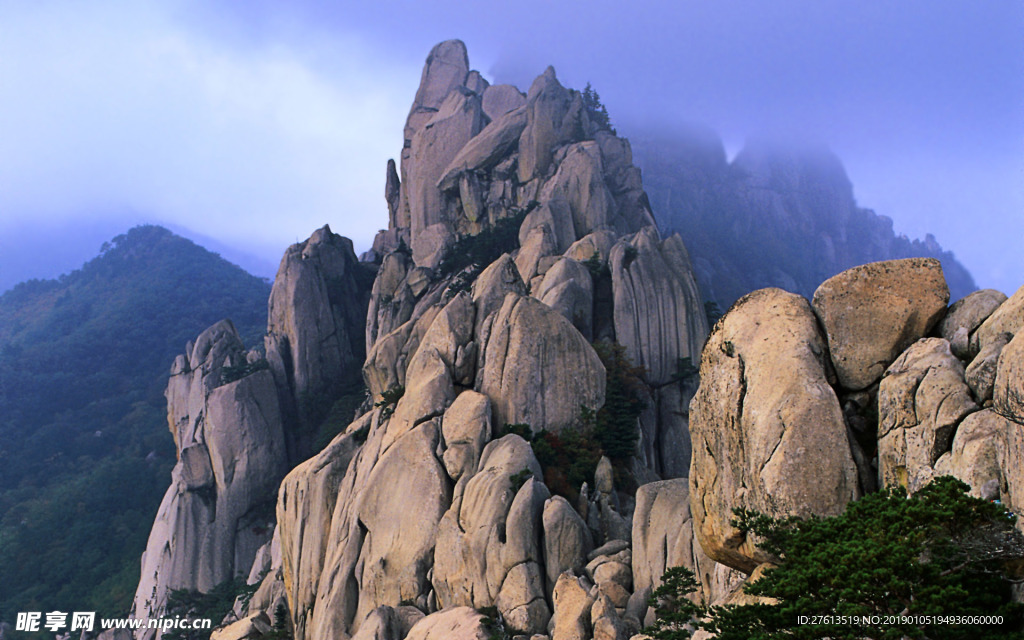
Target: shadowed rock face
{"x": 315, "y": 326}
{"x": 775, "y": 216}
{"x": 231, "y": 457}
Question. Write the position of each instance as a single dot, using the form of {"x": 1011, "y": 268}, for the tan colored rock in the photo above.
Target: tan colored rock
{"x": 459, "y": 623}
{"x": 499, "y": 99}
{"x": 305, "y": 507}
{"x": 599, "y": 242}
{"x": 1008, "y": 393}
{"x": 401, "y": 525}
{"x": 498, "y": 279}
{"x": 388, "y": 623}
{"x": 249, "y": 628}
{"x": 767, "y": 428}
{"x": 981, "y": 373}
{"x": 606, "y": 622}
{"x": 490, "y": 529}
{"x": 573, "y": 604}
{"x": 486, "y": 149}
{"x": 567, "y": 540}
{"x": 526, "y": 343}
{"x": 663, "y": 538}
{"x": 873, "y": 312}
{"x": 434, "y": 147}
{"x": 446, "y": 69}
{"x": 568, "y": 288}
{"x": 974, "y": 455}
{"x": 659, "y": 319}
{"x": 662, "y": 531}
{"x": 231, "y": 449}
{"x": 1012, "y": 472}
{"x": 1007, "y": 318}
{"x": 390, "y": 298}
{"x": 539, "y": 244}
{"x": 921, "y": 400}
{"x": 390, "y": 356}
{"x": 315, "y": 326}
{"x": 578, "y": 196}
{"x": 381, "y": 540}
{"x": 466, "y": 428}
{"x": 553, "y": 117}
{"x": 521, "y": 599}
{"x": 967, "y": 314}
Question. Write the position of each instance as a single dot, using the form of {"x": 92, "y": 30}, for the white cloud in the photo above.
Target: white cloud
{"x": 122, "y": 108}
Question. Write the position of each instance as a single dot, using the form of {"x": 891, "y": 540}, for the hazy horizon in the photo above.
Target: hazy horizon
{"x": 256, "y": 124}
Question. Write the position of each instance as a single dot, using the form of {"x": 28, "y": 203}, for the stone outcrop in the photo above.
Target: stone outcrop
{"x": 1008, "y": 317}
{"x": 873, "y": 312}
{"x": 767, "y": 428}
{"x": 224, "y": 415}
{"x": 537, "y": 368}
{"x": 966, "y": 315}
{"x": 921, "y": 401}
{"x": 1008, "y": 392}
{"x": 315, "y": 324}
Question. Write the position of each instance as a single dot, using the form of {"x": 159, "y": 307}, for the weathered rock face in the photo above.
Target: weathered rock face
{"x": 460, "y": 623}
{"x": 536, "y": 367}
{"x": 487, "y": 546}
{"x": 921, "y": 400}
{"x": 767, "y": 428}
{"x": 1008, "y": 393}
{"x": 659, "y": 319}
{"x": 974, "y": 455}
{"x": 224, "y": 414}
{"x": 966, "y": 315}
{"x": 873, "y": 312}
{"x": 1008, "y": 317}
{"x": 663, "y": 537}
{"x": 317, "y": 314}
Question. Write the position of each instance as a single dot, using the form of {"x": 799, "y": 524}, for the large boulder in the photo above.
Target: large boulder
{"x": 873, "y": 312}
{"x": 536, "y": 367}
{"x": 1008, "y": 393}
{"x": 567, "y": 540}
{"x": 459, "y": 623}
{"x": 488, "y": 543}
{"x": 1007, "y": 318}
{"x": 767, "y": 428}
{"x": 974, "y": 454}
{"x": 966, "y": 315}
{"x": 921, "y": 400}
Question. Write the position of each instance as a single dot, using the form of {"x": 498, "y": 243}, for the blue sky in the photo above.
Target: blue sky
{"x": 256, "y": 122}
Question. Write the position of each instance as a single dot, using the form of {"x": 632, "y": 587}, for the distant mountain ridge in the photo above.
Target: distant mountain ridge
{"x": 84, "y": 449}
{"x": 774, "y": 217}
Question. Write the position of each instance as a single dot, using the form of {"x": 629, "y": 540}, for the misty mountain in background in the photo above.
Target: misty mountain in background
{"x": 776, "y": 216}
{"x": 84, "y": 448}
